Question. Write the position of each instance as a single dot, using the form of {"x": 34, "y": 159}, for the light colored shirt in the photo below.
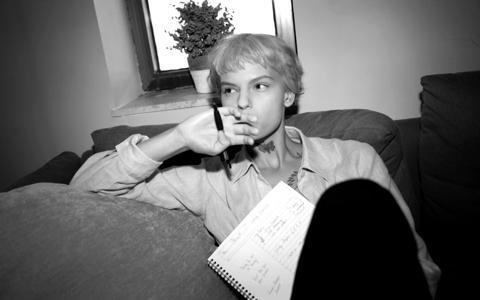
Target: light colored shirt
{"x": 222, "y": 203}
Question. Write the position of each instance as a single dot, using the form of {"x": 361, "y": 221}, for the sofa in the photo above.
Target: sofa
{"x": 58, "y": 242}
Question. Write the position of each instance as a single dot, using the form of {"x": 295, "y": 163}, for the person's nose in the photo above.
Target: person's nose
{"x": 243, "y": 100}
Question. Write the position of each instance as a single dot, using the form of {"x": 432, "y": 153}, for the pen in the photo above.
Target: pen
{"x": 219, "y": 124}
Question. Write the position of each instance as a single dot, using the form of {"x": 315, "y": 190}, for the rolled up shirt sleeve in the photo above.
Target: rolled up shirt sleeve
{"x": 126, "y": 172}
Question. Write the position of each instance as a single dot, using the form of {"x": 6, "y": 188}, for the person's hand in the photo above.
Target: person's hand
{"x": 201, "y": 135}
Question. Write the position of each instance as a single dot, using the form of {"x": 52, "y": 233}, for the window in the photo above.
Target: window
{"x": 163, "y": 69}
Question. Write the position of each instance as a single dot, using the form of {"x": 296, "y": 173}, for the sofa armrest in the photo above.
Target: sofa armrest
{"x": 60, "y": 243}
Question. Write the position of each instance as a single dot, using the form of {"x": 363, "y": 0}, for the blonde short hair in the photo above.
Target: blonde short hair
{"x": 231, "y": 53}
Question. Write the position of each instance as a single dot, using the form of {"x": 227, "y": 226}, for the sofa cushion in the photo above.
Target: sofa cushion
{"x": 60, "y": 243}
{"x": 59, "y": 169}
{"x": 449, "y": 164}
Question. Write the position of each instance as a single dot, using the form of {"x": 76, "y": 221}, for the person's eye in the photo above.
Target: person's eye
{"x": 227, "y": 91}
{"x": 261, "y": 86}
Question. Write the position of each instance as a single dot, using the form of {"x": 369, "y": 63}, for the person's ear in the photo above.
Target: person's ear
{"x": 289, "y": 99}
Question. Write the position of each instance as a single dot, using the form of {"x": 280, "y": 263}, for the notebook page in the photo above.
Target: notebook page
{"x": 263, "y": 250}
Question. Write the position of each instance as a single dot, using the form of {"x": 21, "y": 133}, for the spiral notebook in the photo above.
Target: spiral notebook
{"x": 260, "y": 256}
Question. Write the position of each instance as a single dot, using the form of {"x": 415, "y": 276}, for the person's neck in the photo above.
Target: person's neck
{"x": 275, "y": 151}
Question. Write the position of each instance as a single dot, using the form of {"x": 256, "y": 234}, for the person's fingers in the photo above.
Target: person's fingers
{"x": 246, "y": 118}
{"x": 239, "y": 128}
{"x": 223, "y": 139}
{"x": 244, "y": 129}
{"x": 230, "y": 111}
{"x": 241, "y": 140}
{"x": 238, "y": 115}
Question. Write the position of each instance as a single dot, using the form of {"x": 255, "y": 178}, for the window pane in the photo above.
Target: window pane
{"x": 243, "y": 12}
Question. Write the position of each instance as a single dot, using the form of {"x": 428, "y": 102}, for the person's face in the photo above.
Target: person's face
{"x": 257, "y": 91}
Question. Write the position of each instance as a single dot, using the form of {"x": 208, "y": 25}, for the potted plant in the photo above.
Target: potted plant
{"x": 201, "y": 27}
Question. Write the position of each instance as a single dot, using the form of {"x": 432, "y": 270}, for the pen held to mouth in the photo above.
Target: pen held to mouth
{"x": 224, "y": 155}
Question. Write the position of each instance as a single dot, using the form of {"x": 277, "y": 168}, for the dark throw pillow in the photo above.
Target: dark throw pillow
{"x": 59, "y": 169}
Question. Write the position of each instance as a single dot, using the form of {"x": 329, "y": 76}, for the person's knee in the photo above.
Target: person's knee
{"x": 357, "y": 206}
{"x": 356, "y": 194}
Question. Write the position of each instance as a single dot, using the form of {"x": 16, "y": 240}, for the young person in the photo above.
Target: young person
{"x": 258, "y": 76}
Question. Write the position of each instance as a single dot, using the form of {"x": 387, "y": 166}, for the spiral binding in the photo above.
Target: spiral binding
{"x": 229, "y": 278}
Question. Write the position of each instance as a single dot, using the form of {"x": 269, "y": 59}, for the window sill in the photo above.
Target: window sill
{"x": 165, "y": 100}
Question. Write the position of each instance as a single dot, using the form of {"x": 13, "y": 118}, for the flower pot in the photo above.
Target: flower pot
{"x": 199, "y": 70}
{"x": 201, "y": 82}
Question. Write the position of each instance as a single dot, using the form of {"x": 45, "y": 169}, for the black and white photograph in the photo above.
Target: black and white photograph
{"x": 240, "y": 149}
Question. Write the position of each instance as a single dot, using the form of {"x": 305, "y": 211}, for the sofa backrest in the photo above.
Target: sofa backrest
{"x": 362, "y": 125}
{"x": 449, "y": 164}
{"x": 450, "y": 143}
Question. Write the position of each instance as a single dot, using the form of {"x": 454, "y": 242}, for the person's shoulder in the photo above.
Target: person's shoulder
{"x": 340, "y": 145}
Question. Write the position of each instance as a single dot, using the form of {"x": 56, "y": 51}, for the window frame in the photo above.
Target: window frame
{"x": 142, "y": 32}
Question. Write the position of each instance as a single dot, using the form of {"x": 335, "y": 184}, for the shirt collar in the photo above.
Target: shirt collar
{"x": 313, "y": 156}
{"x": 242, "y": 162}
{"x": 313, "y": 159}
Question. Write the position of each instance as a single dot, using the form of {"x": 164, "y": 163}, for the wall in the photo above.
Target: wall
{"x": 61, "y": 73}
{"x": 372, "y": 53}
{"x": 366, "y": 54}
{"x": 53, "y": 82}
{"x": 361, "y": 54}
